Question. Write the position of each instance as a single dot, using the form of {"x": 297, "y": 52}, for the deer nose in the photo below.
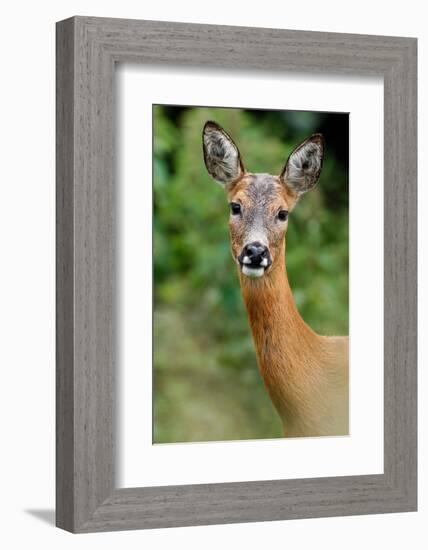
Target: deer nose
{"x": 256, "y": 254}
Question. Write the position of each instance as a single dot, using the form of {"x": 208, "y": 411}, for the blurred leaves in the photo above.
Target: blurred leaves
{"x": 206, "y": 382}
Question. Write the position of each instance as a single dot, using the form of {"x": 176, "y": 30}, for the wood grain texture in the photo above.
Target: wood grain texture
{"x": 64, "y": 277}
{"x": 87, "y": 49}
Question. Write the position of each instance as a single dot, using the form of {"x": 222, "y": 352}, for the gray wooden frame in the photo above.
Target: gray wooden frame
{"x": 87, "y": 50}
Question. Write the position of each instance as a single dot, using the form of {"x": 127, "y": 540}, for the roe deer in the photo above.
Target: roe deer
{"x": 306, "y": 375}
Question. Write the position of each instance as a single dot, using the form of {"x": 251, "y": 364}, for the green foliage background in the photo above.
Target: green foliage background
{"x": 206, "y": 382}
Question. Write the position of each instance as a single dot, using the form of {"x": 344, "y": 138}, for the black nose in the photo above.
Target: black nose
{"x": 256, "y": 253}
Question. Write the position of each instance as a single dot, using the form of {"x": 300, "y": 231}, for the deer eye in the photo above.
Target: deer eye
{"x": 282, "y": 215}
{"x": 235, "y": 208}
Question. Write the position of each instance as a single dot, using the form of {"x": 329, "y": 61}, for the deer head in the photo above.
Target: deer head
{"x": 260, "y": 203}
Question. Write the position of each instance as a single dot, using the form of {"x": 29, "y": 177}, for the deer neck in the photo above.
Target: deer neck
{"x": 288, "y": 350}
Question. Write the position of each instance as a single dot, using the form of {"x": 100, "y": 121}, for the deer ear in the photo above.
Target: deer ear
{"x": 302, "y": 169}
{"x": 221, "y": 155}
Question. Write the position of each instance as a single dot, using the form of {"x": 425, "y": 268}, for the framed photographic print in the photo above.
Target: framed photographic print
{"x": 236, "y": 274}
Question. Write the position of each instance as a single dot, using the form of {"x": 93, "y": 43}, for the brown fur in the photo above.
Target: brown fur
{"x": 305, "y": 374}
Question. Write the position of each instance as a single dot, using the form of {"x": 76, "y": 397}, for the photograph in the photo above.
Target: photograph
{"x": 212, "y": 324}
{"x": 250, "y": 273}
